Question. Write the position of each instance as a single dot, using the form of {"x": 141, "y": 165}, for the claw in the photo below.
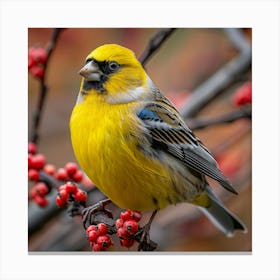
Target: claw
{"x": 99, "y": 206}
{"x": 145, "y": 242}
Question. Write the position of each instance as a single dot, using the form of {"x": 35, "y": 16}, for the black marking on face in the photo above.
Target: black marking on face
{"x": 107, "y": 68}
{"x": 98, "y": 85}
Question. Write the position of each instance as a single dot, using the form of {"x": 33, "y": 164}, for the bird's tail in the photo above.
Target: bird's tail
{"x": 220, "y": 216}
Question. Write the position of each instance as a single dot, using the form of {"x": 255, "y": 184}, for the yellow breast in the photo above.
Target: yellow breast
{"x": 105, "y": 139}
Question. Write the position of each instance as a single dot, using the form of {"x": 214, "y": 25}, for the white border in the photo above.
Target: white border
{"x": 17, "y": 16}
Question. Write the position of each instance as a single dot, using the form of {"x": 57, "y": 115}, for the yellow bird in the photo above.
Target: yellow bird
{"x": 134, "y": 145}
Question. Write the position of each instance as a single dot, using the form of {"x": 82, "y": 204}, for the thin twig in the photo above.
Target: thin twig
{"x": 43, "y": 88}
{"x": 155, "y": 43}
{"x": 243, "y": 112}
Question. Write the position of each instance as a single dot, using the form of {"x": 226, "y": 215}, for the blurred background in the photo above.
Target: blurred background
{"x": 187, "y": 59}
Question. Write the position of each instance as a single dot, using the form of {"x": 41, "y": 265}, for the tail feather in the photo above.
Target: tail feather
{"x": 221, "y": 217}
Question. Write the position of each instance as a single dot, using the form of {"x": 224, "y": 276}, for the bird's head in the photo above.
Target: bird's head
{"x": 111, "y": 70}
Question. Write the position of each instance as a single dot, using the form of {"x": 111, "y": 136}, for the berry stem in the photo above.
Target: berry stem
{"x": 43, "y": 88}
{"x": 145, "y": 243}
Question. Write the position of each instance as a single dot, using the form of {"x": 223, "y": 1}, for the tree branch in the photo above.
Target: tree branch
{"x": 155, "y": 43}
{"x": 243, "y": 112}
{"x": 223, "y": 77}
{"x": 38, "y": 217}
{"x": 43, "y": 87}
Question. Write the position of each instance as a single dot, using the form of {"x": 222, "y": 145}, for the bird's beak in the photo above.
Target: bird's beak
{"x": 91, "y": 72}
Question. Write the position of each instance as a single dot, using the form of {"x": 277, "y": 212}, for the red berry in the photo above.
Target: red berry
{"x": 63, "y": 194}
{"x": 39, "y": 161}
{"x": 91, "y": 228}
{"x": 101, "y": 229}
{"x": 32, "y": 148}
{"x": 104, "y": 241}
{"x": 33, "y": 192}
{"x": 41, "y": 201}
{"x": 131, "y": 226}
{"x": 30, "y": 161}
{"x": 71, "y": 187}
{"x": 31, "y": 62}
{"x": 33, "y": 175}
{"x": 96, "y": 247}
{"x": 49, "y": 169}
{"x": 62, "y": 187}
{"x": 137, "y": 215}
{"x": 122, "y": 232}
{"x": 41, "y": 188}
{"x": 60, "y": 202}
{"x": 37, "y": 71}
{"x": 119, "y": 223}
{"x": 61, "y": 174}
{"x": 80, "y": 195}
{"x": 127, "y": 215}
{"x": 37, "y": 54}
{"x": 243, "y": 94}
{"x": 71, "y": 168}
{"x": 78, "y": 176}
{"x": 92, "y": 236}
{"x": 127, "y": 242}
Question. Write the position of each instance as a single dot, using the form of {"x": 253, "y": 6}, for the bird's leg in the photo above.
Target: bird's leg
{"x": 99, "y": 206}
{"x": 145, "y": 234}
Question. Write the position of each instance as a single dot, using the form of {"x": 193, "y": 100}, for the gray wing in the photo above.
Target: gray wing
{"x": 170, "y": 134}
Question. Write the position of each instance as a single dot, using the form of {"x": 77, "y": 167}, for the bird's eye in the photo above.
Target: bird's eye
{"x": 113, "y": 66}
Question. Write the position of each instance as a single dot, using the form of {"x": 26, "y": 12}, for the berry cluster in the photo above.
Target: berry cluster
{"x": 243, "y": 94}
{"x": 70, "y": 192}
{"x": 37, "y": 58}
{"x": 38, "y": 193}
{"x": 98, "y": 237}
{"x": 127, "y": 226}
{"x": 37, "y": 163}
{"x": 70, "y": 172}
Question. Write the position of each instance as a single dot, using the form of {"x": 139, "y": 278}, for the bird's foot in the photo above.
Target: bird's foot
{"x": 143, "y": 236}
{"x": 88, "y": 212}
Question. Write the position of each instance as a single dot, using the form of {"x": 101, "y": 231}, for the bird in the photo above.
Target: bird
{"x": 132, "y": 142}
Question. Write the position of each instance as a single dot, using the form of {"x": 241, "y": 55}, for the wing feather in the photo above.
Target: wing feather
{"x": 171, "y": 135}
